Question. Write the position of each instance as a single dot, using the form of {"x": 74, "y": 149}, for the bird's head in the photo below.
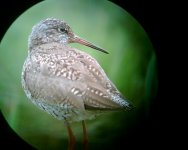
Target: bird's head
{"x": 55, "y": 30}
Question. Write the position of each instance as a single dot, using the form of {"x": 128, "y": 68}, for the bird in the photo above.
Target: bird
{"x": 65, "y": 82}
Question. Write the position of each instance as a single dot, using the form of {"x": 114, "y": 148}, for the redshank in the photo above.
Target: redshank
{"x": 65, "y": 82}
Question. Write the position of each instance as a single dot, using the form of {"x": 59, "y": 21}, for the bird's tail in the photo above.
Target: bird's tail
{"x": 123, "y": 102}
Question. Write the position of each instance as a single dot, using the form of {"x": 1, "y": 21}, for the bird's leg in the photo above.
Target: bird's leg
{"x": 85, "y": 137}
{"x": 72, "y": 139}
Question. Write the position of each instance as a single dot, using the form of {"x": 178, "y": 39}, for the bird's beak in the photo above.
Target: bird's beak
{"x": 76, "y": 39}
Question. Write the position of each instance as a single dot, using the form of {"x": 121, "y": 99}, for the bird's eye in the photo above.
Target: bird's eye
{"x": 63, "y": 30}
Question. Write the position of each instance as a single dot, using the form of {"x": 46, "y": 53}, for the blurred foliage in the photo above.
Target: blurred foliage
{"x": 131, "y": 65}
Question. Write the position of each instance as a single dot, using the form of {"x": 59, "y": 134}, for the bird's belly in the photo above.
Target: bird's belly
{"x": 66, "y": 112}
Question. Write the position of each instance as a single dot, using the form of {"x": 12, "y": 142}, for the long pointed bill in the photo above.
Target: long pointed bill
{"x": 77, "y": 39}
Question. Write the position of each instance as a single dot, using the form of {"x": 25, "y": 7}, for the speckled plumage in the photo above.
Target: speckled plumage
{"x": 67, "y": 83}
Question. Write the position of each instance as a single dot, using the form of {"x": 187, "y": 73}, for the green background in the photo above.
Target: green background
{"x": 130, "y": 64}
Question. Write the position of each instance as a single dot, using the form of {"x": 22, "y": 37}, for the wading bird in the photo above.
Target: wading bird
{"x": 65, "y": 82}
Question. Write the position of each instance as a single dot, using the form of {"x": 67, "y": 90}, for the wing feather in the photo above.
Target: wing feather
{"x": 77, "y": 70}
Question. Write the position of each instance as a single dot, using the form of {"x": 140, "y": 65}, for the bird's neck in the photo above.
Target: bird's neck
{"x": 53, "y": 47}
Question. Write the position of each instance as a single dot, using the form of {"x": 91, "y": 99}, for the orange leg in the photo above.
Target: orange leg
{"x": 85, "y": 137}
{"x": 72, "y": 139}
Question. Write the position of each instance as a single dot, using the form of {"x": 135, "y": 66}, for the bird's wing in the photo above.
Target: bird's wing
{"x": 81, "y": 76}
{"x": 100, "y": 89}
